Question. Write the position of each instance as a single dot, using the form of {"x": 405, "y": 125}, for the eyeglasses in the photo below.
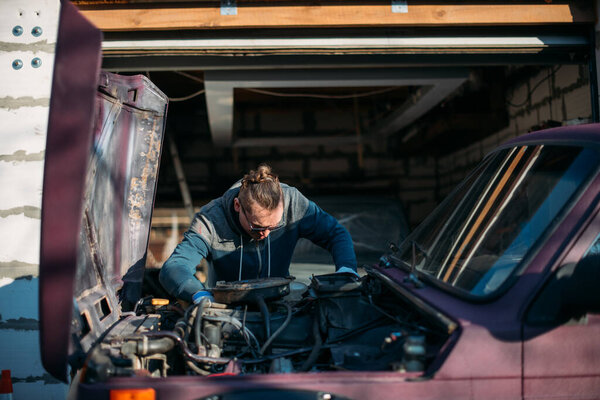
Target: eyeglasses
{"x": 254, "y": 228}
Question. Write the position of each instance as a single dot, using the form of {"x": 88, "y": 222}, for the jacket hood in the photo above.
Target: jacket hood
{"x": 226, "y": 202}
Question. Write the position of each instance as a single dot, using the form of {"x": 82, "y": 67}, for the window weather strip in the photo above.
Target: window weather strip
{"x": 475, "y": 210}
{"x": 485, "y": 211}
{"x": 529, "y": 164}
{"x": 468, "y": 183}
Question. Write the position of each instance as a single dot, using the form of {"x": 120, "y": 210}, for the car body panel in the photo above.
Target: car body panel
{"x": 575, "y": 357}
{"x": 355, "y": 386}
{"x": 569, "y": 370}
{"x": 72, "y": 105}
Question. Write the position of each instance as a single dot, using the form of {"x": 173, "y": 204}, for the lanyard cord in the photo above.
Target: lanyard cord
{"x": 241, "y": 256}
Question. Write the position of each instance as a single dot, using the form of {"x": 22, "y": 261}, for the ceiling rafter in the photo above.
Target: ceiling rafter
{"x": 220, "y": 87}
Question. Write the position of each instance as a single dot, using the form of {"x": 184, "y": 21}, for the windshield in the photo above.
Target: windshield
{"x": 478, "y": 236}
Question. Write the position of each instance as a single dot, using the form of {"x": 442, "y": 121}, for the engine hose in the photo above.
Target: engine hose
{"x": 312, "y": 357}
{"x": 265, "y": 314}
{"x": 186, "y": 350}
{"x": 156, "y": 346}
{"x": 198, "y": 322}
{"x": 279, "y": 330}
{"x": 197, "y": 370}
{"x": 188, "y": 320}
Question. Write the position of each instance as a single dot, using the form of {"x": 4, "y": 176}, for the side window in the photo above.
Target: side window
{"x": 594, "y": 248}
{"x": 571, "y": 293}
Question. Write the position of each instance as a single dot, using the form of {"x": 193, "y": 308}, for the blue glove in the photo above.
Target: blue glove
{"x": 202, "y": 294}
{"x": 347, "y": 270}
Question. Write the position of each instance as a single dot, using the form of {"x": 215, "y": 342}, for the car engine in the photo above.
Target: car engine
{"x": 273, "y": 325}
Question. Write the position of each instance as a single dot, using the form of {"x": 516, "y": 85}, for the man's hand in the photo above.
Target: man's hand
{"x": 342, "y": 270}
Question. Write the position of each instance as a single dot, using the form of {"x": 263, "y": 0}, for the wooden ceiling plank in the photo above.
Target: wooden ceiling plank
{"x": 208, "y": 16}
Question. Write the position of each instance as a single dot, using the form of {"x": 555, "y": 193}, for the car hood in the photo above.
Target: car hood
{"x": 103, "y": 150}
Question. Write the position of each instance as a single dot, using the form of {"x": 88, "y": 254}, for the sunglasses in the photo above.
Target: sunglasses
{"x": 255, "y": 228}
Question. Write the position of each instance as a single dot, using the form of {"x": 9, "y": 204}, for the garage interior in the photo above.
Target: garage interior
{"x": 346, "y": 102}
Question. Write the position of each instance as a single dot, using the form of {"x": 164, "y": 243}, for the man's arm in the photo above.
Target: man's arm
{"x": 177, "y": 273}
{"x": 325, "y": 231}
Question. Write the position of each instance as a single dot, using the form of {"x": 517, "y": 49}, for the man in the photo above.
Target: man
{"x": 250, "y": 232}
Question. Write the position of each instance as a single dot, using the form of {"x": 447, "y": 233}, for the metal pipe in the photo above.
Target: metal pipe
{"x": 198, "y": 322}
{"x": 183, "y": 186}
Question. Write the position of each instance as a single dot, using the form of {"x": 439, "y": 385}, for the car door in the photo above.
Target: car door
{"x": 562, "y": 338}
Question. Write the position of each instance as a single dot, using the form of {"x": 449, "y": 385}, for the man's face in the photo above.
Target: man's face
{"x": 258, "y": 222}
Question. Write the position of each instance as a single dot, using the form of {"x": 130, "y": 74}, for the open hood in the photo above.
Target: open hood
{"x": 103, "y": 150}
{"x": 118, "y": 197}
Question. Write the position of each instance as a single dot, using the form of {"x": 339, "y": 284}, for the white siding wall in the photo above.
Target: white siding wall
{"x": 24, "y": 102}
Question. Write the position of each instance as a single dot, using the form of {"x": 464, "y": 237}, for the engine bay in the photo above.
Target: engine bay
{"x": 339, "y": 322}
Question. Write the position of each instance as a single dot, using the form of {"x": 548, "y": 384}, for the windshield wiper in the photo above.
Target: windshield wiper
{"x": 384, "y": 260}
{"x": 390, "y": 260}
{"x": 412, "y": 276}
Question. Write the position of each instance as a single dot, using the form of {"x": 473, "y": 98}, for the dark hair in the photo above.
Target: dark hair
{"x": 261, "y": 187}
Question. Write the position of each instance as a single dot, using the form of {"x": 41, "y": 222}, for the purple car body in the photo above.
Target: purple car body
{"x": 501, "y": 270}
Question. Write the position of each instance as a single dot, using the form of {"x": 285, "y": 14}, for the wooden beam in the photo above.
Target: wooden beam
{"x": 133, "y": 16}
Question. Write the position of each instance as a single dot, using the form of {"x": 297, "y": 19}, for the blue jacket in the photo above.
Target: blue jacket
{"x": 216, "y": 234}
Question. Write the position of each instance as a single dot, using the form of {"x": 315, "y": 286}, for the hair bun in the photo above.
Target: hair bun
{"x": 262, "y": 174}
{"x": 261, "y": 186}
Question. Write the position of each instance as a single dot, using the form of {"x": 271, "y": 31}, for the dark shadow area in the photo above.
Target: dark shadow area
{"x": 570, "y": 294}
